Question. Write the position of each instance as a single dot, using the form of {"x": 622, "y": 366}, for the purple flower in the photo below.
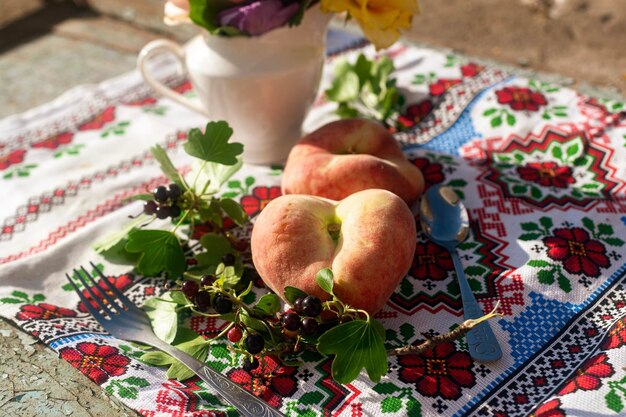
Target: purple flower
{"x": 258, "y": 17}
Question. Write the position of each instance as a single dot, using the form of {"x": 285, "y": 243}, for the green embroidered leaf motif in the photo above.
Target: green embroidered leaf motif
{"x": 564, "y": 283}
{"x": 324, "y": 279}
{"x": 589, "y": 224}
{"x": 457, "y": 183}
{"x": 538, "y": 263}
{"x": 475, "y": 285}
{"x": 496, "y": 121}
{"x": 546, "y": 222}
{"x": 407, "y": 331}
{"x": 580, "y": 161}
{"x": 546, "y": 276}
{"x": 385, "y": 388}
{"x": 356, "y": 345}
{"x": 212, "y": 145}
{"x": 391, "y": 405}
{"x": 520, "y": 189}
{"x": 489, "y": 112}
{"x": 406, "y": 288}
{"x": 605, "y": 229}
{"x": 293, "y": 293}
{"x": 614, "y": 241}
{"x": 529, "y": 236}
{"x": 310, "y": 398}
{"x": 572, "y": 149}
{"x": 164, "y": 161}
{"x": 37, "y": 298}
{"x": 475, "y": 270}
{"x": 535, "y": 192}
{"x": 9, "y": 300}
{"x": 557, "y": 152}
{"x": 530, "y": 226}
{"x": 510, "y": 119}
{"x": 413, "y": 408}
{"x": 614, "y": 401}
{"x": 160, "y": 250}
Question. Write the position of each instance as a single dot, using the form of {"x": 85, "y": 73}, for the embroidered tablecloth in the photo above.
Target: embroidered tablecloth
{"x": 542, "y": 170}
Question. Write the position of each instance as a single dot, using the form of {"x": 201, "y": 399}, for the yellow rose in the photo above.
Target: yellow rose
{"x": 380, "y": 20}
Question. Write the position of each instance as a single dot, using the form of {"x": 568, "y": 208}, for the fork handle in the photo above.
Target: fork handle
{"x": 244, "y": 401}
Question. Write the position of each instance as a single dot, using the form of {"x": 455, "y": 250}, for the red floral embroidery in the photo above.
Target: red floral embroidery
{"x": 432, "y": 171}
{"x": 578, "y": 253}
{"x": 271, "y": 381}
{"x": 121, "y": 282}
{"x": 259, "y": 198}
{"x": 55, "y": 141}
{"x": 441, "y": 86}
{"x": 519, "y": 98}
{"x": 97, "y": 362}
{"x": 43, "y": 311}
{"x": 183, "y": 88}
{"x": 547, "y": 174}
{"x": 147, "y": 101}
{"x": 431, "y": 261}
{"x": 471, "y": 69}
{"x": 551, "y": 408}
{"x": 439, "y": 372}
{"x": 108, "y": 115}
{"x": 12, "y": 158}
{"x": 616, "y": 337}
{"x": 204, "y": 228}
{"x": 415, "y": 113}
{"x": 588, "y": 377}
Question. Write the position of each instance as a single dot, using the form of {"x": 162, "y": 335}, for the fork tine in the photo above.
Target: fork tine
{"x": 94, "y": 311}
{"x": 103, "y": 292}
{"x": 92, "y": 293}
{"x": 126, "y": 303}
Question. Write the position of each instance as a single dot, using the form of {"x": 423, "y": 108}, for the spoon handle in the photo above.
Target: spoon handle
{"x": 481, "y": 341}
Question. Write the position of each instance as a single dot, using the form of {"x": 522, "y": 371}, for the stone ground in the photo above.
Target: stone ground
{"x": 47, "y": 47}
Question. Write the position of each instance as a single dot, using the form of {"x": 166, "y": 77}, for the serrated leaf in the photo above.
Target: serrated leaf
{"x": 344, "y": 88}
{"x": 268, "y": 305}
{"x": 163, "y": 317}
{"x": 159, "y": 250}
{"x": 215, "y": 174}
{"x": 216, "y": 246}
{"x": 234, "y": 210}
{"x": 115, "y": 238}
{"x": 165, "y": 163}
{"x": 356, "y": 345}
{"x": 293, "y": 293}
{"x": 213, "y": 145}
{"x": 324, "y": 279}
{"x": 538, "y": 263}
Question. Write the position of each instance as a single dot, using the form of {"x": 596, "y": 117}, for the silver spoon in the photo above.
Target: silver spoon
{"x": 444, "y": 219}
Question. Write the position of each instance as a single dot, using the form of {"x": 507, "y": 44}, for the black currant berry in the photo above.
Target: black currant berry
{"x": 207, "y": 280}
{"x": 150, "y": 207}
{"x": 311, "y": 306}
{"x": 174, "y": 191}
{"x": 254, "y": 343}
{"x": 250, "y": 365}
{"x": 203, "y": 300}
{"x": 309, "y": 326}
{"x": 163, "y": 212}
{"x": 222, "y": 304}
{"x": 297, "y": 305}
{"x": 174, "y": 211}
{"x": 160, "y": 194}
{"x": 190, "y": 289}
{"x": 229, "y": 259}
{"x": 291, "y": 321}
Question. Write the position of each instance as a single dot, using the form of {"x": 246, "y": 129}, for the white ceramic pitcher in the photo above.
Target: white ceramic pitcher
{"x": 262, "y": 86}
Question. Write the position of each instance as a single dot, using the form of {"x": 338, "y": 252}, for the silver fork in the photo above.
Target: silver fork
{"x": 126, "y": 321}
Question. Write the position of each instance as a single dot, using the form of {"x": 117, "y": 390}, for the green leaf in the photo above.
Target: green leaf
{"x": 605, "y": 229}
{"x": 118, "y": 236}
{"x": 385, "y": 388}
{"x": 564, "y": 283}
{"x": 546, "y": 276}
{"x": 413, "y": 408}
{"x": 197, "y": 348}
{"x": 9, "y": 300}
{"x": 20, "y": 294}
{"x": 520, "y": 189}
{"x": 234, "y": 210}
{"x": 38, "y": 298}
{"x": 212, "y": 145}
{"x": 163, "y": 317}
{"x": 589, "y": 224}
{"x": 324, "y": 279}
{"x": 293, "y": 293}
{"x": 391, "y": 405}
{"x": 614, "y": 401}
{"x": 535, "y": 192}
{"x": 475, "y": 285}
{"x": 356, "y": 345}
{"x": 538, "y": 263}
{"x": 178, "y": 297}
{"x": 546, "y": 222}
{"x": 529, "y": 226}
{"x": 614, "y": 241}
{"x": 510, "y": 119}
{"x": 160, "y": 250}
{"x": 572, "y": 149}
{"x": 344, "y": 88}
{"x": 529, "y": 236}
{"x": 119, "y": 255}
{"x": 268, "y": 305}
{"x": 217, "y": 246}
{"x": 475, "y": 270}
{"x": 252, "y": 323}
{"x": 496, "y": 121}
{"x": 489, "y": 112}
{"x": 213, "y": 173}
{"x": 165, "y": 163}
{"x": 557, "y": 152}
{"x": 457, "y": 183}
{"x": 157, "y": 358}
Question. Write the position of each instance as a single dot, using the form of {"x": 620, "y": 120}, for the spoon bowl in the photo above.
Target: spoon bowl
{"x": 445, "y": 221}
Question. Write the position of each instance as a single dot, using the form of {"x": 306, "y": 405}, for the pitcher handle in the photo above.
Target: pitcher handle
{"x": 157, "y": 47}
